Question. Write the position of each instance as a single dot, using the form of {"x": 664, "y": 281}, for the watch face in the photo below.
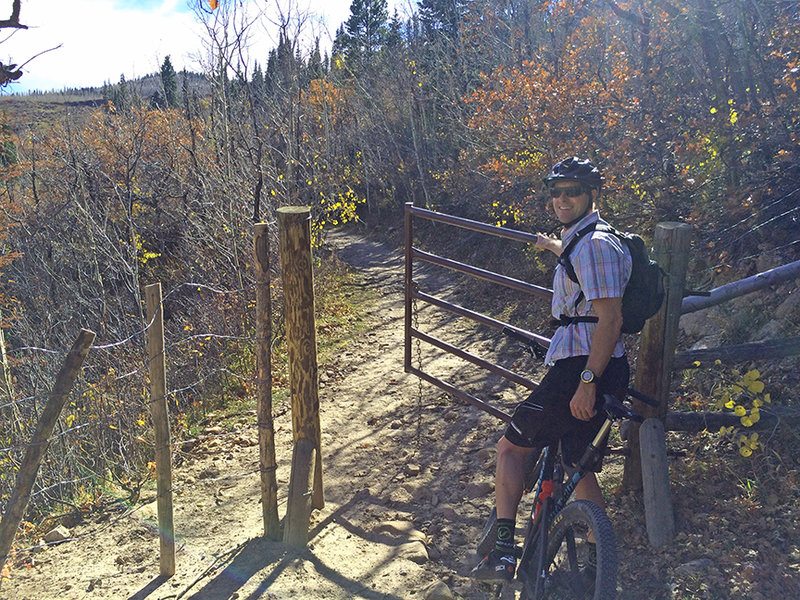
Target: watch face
{"x": 587, "y": 376}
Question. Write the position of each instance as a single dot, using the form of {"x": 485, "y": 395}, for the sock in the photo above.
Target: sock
{"x": 505, "y": 535}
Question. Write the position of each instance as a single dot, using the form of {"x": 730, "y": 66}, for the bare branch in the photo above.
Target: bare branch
{"x": 13, "y": 21}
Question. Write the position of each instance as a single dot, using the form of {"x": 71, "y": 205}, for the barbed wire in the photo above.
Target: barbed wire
{"x": 760, "y": 226}
{"x": 719, "y": 234}
{"x": 127, "y": 412}
{"x": 141, "y": 331}
{"x": 754, "y": 256}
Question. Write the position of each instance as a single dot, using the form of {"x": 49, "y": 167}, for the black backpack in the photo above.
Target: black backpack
{"x": 644, "y": 292}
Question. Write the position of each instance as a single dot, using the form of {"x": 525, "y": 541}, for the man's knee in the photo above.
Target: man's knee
{"x": 507, "y": 449}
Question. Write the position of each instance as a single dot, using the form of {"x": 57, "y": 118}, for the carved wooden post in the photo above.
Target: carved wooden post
{"x": 294, "y": 229}
{"x": 160, "y": 417}
{"x": 266, "y": 427}
{"x": 26, "y": 476}
{"x": 656, "y": 351}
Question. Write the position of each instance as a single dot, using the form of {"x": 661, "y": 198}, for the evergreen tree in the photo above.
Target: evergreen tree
{"x": 169, "y": 83}
{"x": 365, "y": 30}
{"x": 316, "y": 69}
{"x": 442, "y": 16}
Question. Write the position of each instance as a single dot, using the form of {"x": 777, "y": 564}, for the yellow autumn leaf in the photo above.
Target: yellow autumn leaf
{"x": 746, "y": 421}
{"x": 756, "y": 387}
{"x": 739, "y": 410}
{"x": 745, "y": 451}
{"x": 752, "y": 375}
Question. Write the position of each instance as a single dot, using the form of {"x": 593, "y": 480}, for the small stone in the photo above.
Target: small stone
{"x": 59, "y": 534}
{"x": 401, "y": 529}
{"x": 412, "y": 469}
{"x": 414, "y": 551}
{"x": 486, "y": 454}
{"x": 694, "y": 566}
{"x": 479, "y": 490}
{"x": 437, "y": 591}
{"x": 749, "y": 571}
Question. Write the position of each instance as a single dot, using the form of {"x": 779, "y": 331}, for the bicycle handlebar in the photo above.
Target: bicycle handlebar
{"x": 614, "y": 409}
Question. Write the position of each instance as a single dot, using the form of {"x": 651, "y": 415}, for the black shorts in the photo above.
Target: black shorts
{"x": 545, "y": 418}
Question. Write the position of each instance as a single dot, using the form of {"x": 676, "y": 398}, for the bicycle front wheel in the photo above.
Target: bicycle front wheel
{"x": 579, "y": 570}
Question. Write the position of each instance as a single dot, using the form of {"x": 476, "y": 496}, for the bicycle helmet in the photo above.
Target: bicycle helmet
{"x": 577, "y": 169}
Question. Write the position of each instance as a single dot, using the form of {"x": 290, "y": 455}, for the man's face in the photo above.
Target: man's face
{"x": 570, "y": 200}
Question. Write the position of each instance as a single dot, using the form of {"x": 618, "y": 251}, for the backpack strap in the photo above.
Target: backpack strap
{"x": 563, "y": 260}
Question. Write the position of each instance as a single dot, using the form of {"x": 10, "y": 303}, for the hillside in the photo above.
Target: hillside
{"x": 408, "y": 482}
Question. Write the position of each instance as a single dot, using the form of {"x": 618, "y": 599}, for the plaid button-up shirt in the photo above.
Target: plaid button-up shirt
{"x": 602, "y": 265}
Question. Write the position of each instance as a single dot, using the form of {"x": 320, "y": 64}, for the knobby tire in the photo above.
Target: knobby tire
{"x": 567, "y": 554}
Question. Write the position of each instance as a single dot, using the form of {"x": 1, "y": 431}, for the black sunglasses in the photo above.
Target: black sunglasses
{"x": 572, "y": 191}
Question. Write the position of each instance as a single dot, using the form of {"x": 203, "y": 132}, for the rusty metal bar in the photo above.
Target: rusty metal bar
{"x": 509, "y": 282}
{"x": 408, "y": 285}
{"x": 502, "y": 232}
{"x": 496, "y": 369}
{"x": 454, "y": 391}
{"x": 476, "y": 316}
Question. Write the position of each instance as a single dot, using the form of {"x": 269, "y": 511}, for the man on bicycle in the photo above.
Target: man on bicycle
{"x": 586, "y": 358}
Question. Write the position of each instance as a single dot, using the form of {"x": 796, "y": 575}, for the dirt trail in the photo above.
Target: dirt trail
{"x": 407, "y": 479}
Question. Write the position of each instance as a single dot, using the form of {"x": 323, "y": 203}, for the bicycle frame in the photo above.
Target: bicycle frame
{"x": 545, "y": 510}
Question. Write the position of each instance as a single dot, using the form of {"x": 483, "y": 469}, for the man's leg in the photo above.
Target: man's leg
{"x": 500, "y": 564}
{"x": 509, "y": 477}
{"x": 589, "y": 489}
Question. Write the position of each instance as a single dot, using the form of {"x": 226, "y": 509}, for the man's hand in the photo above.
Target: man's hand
{"x": 545, "y": 242}
{"x": 582, "y": 404}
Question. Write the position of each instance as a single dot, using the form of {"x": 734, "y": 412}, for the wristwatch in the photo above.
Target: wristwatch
{"x": 587, "y": 376}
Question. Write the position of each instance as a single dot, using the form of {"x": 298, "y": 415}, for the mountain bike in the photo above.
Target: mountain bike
{"x": 556, "y": 559}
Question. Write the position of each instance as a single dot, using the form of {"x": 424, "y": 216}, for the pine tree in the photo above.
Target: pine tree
{"x": 365, "y": 30}
{"x": 169, "y": 83}
{"x": 442, "y": 16}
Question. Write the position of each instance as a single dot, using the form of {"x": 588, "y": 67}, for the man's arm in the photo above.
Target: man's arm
{"x": 606, "y": 334}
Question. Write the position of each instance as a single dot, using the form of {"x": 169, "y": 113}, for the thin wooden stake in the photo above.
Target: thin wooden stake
{"x": 160, "y": 416}
{"x": 26, "y": 476}
{"x": 266, "y": 426}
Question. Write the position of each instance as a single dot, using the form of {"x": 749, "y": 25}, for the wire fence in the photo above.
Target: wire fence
{"x": 103, "y": 442}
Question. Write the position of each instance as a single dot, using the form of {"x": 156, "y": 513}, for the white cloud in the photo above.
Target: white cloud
{"x": 103, "y": 39}
{"x": 99, "y": 42}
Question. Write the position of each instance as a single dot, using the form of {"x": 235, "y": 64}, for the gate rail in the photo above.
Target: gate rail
{"x": 413, "y": 294}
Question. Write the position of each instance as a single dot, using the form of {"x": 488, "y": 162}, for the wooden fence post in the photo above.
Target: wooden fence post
{"x": 657, "y": 346}
{"x": 160, "y": 416}
{"x": 26, "y": 476}
{"x": 266, "y": 428}
{"x": 294, "y": 230}
{"x": 658, "y": 512}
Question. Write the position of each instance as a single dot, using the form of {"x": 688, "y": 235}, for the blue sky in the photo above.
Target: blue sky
{"x": 103, "y": 39}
